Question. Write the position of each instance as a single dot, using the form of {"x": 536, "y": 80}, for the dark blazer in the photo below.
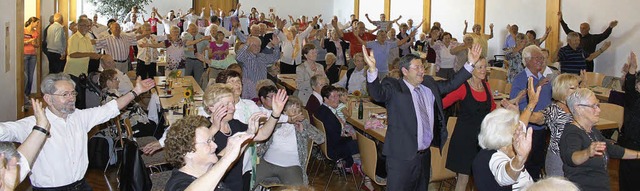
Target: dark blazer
{"x": 265, "y": 40}
{"x": 313, "y": 104}
{"x": 331, "y": 47}
{"x": 401, "y": 138}
{"x": 336, "y": 148}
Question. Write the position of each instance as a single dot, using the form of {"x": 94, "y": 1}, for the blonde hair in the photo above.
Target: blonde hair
{"x": 214, "y": 93}
{"x": 561, "y": 85}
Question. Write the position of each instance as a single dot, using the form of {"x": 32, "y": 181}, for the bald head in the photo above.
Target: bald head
{"x": 584, "y": 28}
{"x": 254, "y": 44}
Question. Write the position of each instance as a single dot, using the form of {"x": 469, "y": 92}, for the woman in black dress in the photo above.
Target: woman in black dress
{"x": 630, "y": 136}
{"x": 476, "y": 100}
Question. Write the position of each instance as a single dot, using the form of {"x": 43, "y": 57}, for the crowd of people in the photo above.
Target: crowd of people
{"x": 503, "y": 144}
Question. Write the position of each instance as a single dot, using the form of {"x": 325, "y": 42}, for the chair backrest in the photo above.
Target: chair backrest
{"x": 368, "y": 155}
{"x": 438, "y": 161}
{"x": 497, "y": 84}
{"x": 323, "y": 146}
{"x": 159, "y": 180}
{"x": 594, "y": 79}
{"x": 497, "y": 73}
{"x": 612, "y": 112}
{"x": 343, "y": 72}
{"x": 507, "y": 88}
{"x": 309, "y": 150}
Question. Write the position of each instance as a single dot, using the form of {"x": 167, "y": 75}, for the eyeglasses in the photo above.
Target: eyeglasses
{"x": 537, "y": 58}
{"x": 209, "y": 141}
{"x": 67, "y": 94}
{"x": 115, "y": 80}
{"x": 594, "y": 106}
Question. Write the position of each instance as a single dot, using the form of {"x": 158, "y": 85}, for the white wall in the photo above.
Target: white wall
{"x": 453, "y": 22}
{"x": 343, "y": 9}
{"x": 46, "y": 10}
{"x": 295, "y": 8}
{"x": 409, "y": 9}
{"x": 374, "y": 8}
{"x": 598, "y": 14}
{"x": 527, "y": 14}
{"x": 8, "y": 78}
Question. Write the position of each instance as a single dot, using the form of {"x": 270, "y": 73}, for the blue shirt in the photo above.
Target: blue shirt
{"x": 381, "y": 53}
{"x": 510, "y": 41}
{"x": 520, "y": 83}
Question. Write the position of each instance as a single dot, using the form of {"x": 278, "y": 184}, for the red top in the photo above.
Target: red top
{"x": 29, "y": 49}
{"x": 354, "y": 44}
{"x": 461, "y": 93}
{"x": 154, "y": 24}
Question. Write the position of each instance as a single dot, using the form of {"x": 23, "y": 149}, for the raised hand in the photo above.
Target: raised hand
{"x": 234, "y": 143}
{"x": 613, "y": 23}
{"x": 548, "y": 30}
{"x": 218, "y": 112}
{"x": 9, "y": 173}
{"x": 532, "y": 92}
{"x": 278, "y": 102}
{"x": 254, "y": 122}
{"x": 275, "y": 41}
{"x": 369, "y": 59}
{"x": 143, "y": 85}
{"x": 474, "y": 54}
{"x": 466, "y": 23}
{"x": 633, "y": 63}
{"x": 491, "y": 26}
{"x": 38, "y": 112}
{"x": 559, "y": 15}
{"x": 522, "y": 142}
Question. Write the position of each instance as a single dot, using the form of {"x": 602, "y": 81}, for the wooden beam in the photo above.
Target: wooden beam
{"x": 553, "y": 40}
{"x": 19, "y": 67}
{"x": 426, "y": 15}
{"x": 479, "y": 15}
{"x": 356, "y": 9}
{"x": 387, "y": 9}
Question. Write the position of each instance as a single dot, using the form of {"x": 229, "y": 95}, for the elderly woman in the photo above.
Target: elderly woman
{"x": 284, "y": 155}
{"x": 175, "y": 49}
{"x": 555, "y": 116}
{"x": 140, "y": 123}
{"x": 506, "y": 142}
{"x": 514, "y": 56}
{"x": 531, "y": 37}
{"x": 306, "y": 70}
{"x": 475, "y": 95}
{"x": 478, "y": 37}
{"x": 219, "y": 101}
{"x": 461, "y": 50}
{"x": 630, "y": 136}
{"x": 191, "y": 149}
{"x": 584, "y": 151}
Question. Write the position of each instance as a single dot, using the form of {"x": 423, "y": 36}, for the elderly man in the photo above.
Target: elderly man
{"x": 196, "y": 44}
{"x": 416, "y": 117}
{"x": 56, "y": 44}
{"x": 259, "y": 30}
{"x": 81, "y": 50}
{"x": 117, "y": 45}
{"x": 355, "y": 78}
{"x": 64, "y": 155}
{"x": 589, "y": 41}
{"x": 254, "y": 63}
{"x": 381, "y": 49}
{"x": 533, "y": 59}
{"x": 354, "y": 43}
{"x": 572, "y": 57}
{"x": 383, "y": 24}
{"x": 312, "y": 102}
{"x": 291, "y": 53}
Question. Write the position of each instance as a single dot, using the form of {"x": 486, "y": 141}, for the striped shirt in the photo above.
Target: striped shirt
{"x": 571, "y": 61}
{"x": 254, "y": 67}
{"x": 117, "y": 47}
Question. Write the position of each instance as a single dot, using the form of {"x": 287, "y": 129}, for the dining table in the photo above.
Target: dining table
{"x": 172, "y": 97}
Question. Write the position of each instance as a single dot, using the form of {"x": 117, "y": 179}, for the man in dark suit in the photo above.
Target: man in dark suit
{"x": 416, "y": 120}
{"x": 315, "y": 99}
{"x": 338, "y": 146}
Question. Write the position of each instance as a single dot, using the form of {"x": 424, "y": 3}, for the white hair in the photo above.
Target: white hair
{"x": 552, "y": 183}
{"x": 527, "y": 51}
{"x": 497, "y": 129}
{"x": 580, "y": 96}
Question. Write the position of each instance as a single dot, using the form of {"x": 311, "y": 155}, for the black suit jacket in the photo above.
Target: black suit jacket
{"x": 312, "y": 104}
{"x": 331, "y": 47}
{"x": 266, "y": 38}
{"x": 401, "y": 139}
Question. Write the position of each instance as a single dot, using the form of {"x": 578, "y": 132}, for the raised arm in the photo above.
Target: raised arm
{"x": 278, "y": 102}
{"x": 466, "y": 25}
{"x": 598, "y": 52}
{"x": 491, "y": 29}
{"x": 34, "y": 142}
{"x": 142, "y": 86}
{"x": 564, "y": 25}
{"x": 544, "y": 37}
{"x": 368, "y": 19}
{"x": 406, "y": 39}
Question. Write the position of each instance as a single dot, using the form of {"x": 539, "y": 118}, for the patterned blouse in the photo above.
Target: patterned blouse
{"x": 555, "y": 118}
{"x": 515, "y": 65}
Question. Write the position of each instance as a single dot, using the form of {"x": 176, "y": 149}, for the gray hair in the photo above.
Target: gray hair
{"x": 9, "y": 150}
{"x": 314, "y": 79}
{"x": 580, "y": 96}
{"x": 497, "y": 128}
{"x": 527, "y": 51}
{"x": 572, "y": 35}
{"x": 48, "y": 85}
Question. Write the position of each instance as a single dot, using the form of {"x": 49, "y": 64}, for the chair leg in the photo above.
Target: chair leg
{"x": 354, "y": 180}
{"x": 329, "y": 181}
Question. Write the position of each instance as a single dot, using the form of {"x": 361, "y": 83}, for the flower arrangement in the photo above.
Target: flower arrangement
{"x": 175, "y": 74}
{"x": 188, "y": 94}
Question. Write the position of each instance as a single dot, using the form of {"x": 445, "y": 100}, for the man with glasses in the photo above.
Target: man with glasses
{"x": 534, "y": 62}
{"x": 64, "y": 155}
{"x": 81, "y": 50}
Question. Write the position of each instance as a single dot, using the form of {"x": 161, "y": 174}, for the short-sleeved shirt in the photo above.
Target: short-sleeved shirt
{"x": 78, "y": 43}
{"x": 381, "y": 52}
{"x": 354, "y": 45}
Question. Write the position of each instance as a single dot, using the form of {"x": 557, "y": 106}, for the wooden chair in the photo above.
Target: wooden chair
{"x": 343, "y": 72}
{"x": 369, "y": 158}
{"x": 594, "y": 79}
{"x": 497, "y": 73}
{"x": 274, "y": 182}
{"x": 430, "y": 69}
{"x": 507, "y": 88}
{"x": 497, "y": 84}
{"x": 438, "y": 171}
{"x": 334, "y": 163}
{"x": 612, "y": 112}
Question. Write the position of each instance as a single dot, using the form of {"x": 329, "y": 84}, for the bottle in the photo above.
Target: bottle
{"x": 360, "y": 110}
{"x": 184, "y": 109}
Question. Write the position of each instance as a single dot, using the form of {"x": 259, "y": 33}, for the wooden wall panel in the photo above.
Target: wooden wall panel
{"x": 552, "y": 42}
{"x": 225, "y": 5}
{"x": 479, "y": 16}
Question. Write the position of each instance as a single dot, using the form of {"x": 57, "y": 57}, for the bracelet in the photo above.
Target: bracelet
{"x": 134, "y": 94}
{"x": 275, "y": 116}
{"x": 38, "y": 128}
{"x": 637, "y": 155}
{"x": 514, "y": 169}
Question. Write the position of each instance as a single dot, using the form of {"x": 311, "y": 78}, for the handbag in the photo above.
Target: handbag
{"x": 133, "y": 172}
